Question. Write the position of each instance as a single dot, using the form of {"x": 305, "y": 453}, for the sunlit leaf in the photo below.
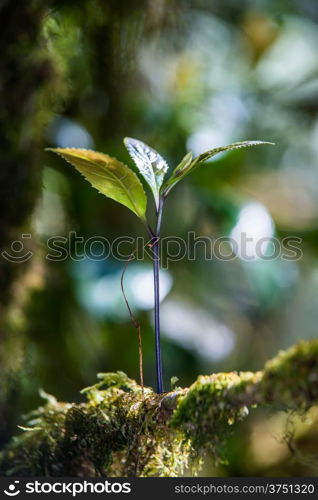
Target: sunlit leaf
{"x": 187, "y": 165}
{"x": 149, "y": 163}
{"x": 109, "y": 176}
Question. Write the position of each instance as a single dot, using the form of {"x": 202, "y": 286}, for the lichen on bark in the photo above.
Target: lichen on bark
{"x": 123, "y": 431}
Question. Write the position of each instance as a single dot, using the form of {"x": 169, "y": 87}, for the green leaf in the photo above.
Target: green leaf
{"x": 149, "y": 163}
{"x": 236, "y": 145}
{"x": 177, "y": 174}
{"x": 109, "y": 176}
{"x": 187, "y": 165}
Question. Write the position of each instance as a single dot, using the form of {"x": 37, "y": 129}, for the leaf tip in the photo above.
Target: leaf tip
{"x": 264, "y": 142}
{"x": 57, "y": 151}
{"x": 127, "y": 140}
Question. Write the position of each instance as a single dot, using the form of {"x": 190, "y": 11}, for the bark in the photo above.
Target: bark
{"x": 30, "y": 84}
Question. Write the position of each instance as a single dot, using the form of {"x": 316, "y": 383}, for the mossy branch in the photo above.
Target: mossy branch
{"x": 121, "y": 432}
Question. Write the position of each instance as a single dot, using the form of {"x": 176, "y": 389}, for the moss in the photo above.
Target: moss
{"x": 214, "y": 403}
{"x": 290, "y": 380}
{"x": 33, "y": 452}
{"x": 123, "y": 431}
{"x": 211, "y": 406}
{"x": 119, "y": 431}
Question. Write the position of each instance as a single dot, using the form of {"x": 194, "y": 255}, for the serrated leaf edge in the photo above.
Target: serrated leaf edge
{"x": 136, "y": 211}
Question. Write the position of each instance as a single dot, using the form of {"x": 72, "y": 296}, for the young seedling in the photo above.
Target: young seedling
{"x": 117, "y": 181}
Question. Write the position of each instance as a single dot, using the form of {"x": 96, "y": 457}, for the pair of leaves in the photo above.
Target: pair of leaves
{"x": 117, "y": 181}
{"x": 153, "y": 167}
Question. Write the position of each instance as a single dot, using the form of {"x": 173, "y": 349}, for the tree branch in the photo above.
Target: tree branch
{"x": 117, "y": 433}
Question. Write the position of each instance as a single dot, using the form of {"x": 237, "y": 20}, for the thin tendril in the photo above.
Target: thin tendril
{"x": 134, "y": 321}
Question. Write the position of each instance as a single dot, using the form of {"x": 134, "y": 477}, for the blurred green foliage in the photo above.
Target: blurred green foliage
{"x": 183, "y": 75}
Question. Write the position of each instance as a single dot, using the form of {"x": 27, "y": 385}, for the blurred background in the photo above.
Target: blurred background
{"x": 181, "y": 76}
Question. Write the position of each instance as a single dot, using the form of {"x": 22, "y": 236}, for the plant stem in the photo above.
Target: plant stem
{"x": 156, "y": 266}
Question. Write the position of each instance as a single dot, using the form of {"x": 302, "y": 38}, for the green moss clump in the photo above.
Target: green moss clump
{"x": 122, "y": 430}
{"x": 211, "y": 406}
{"x": 290, "y": 380}
{"x": 33, "y": 452}
{"x": 214, "y": 403}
